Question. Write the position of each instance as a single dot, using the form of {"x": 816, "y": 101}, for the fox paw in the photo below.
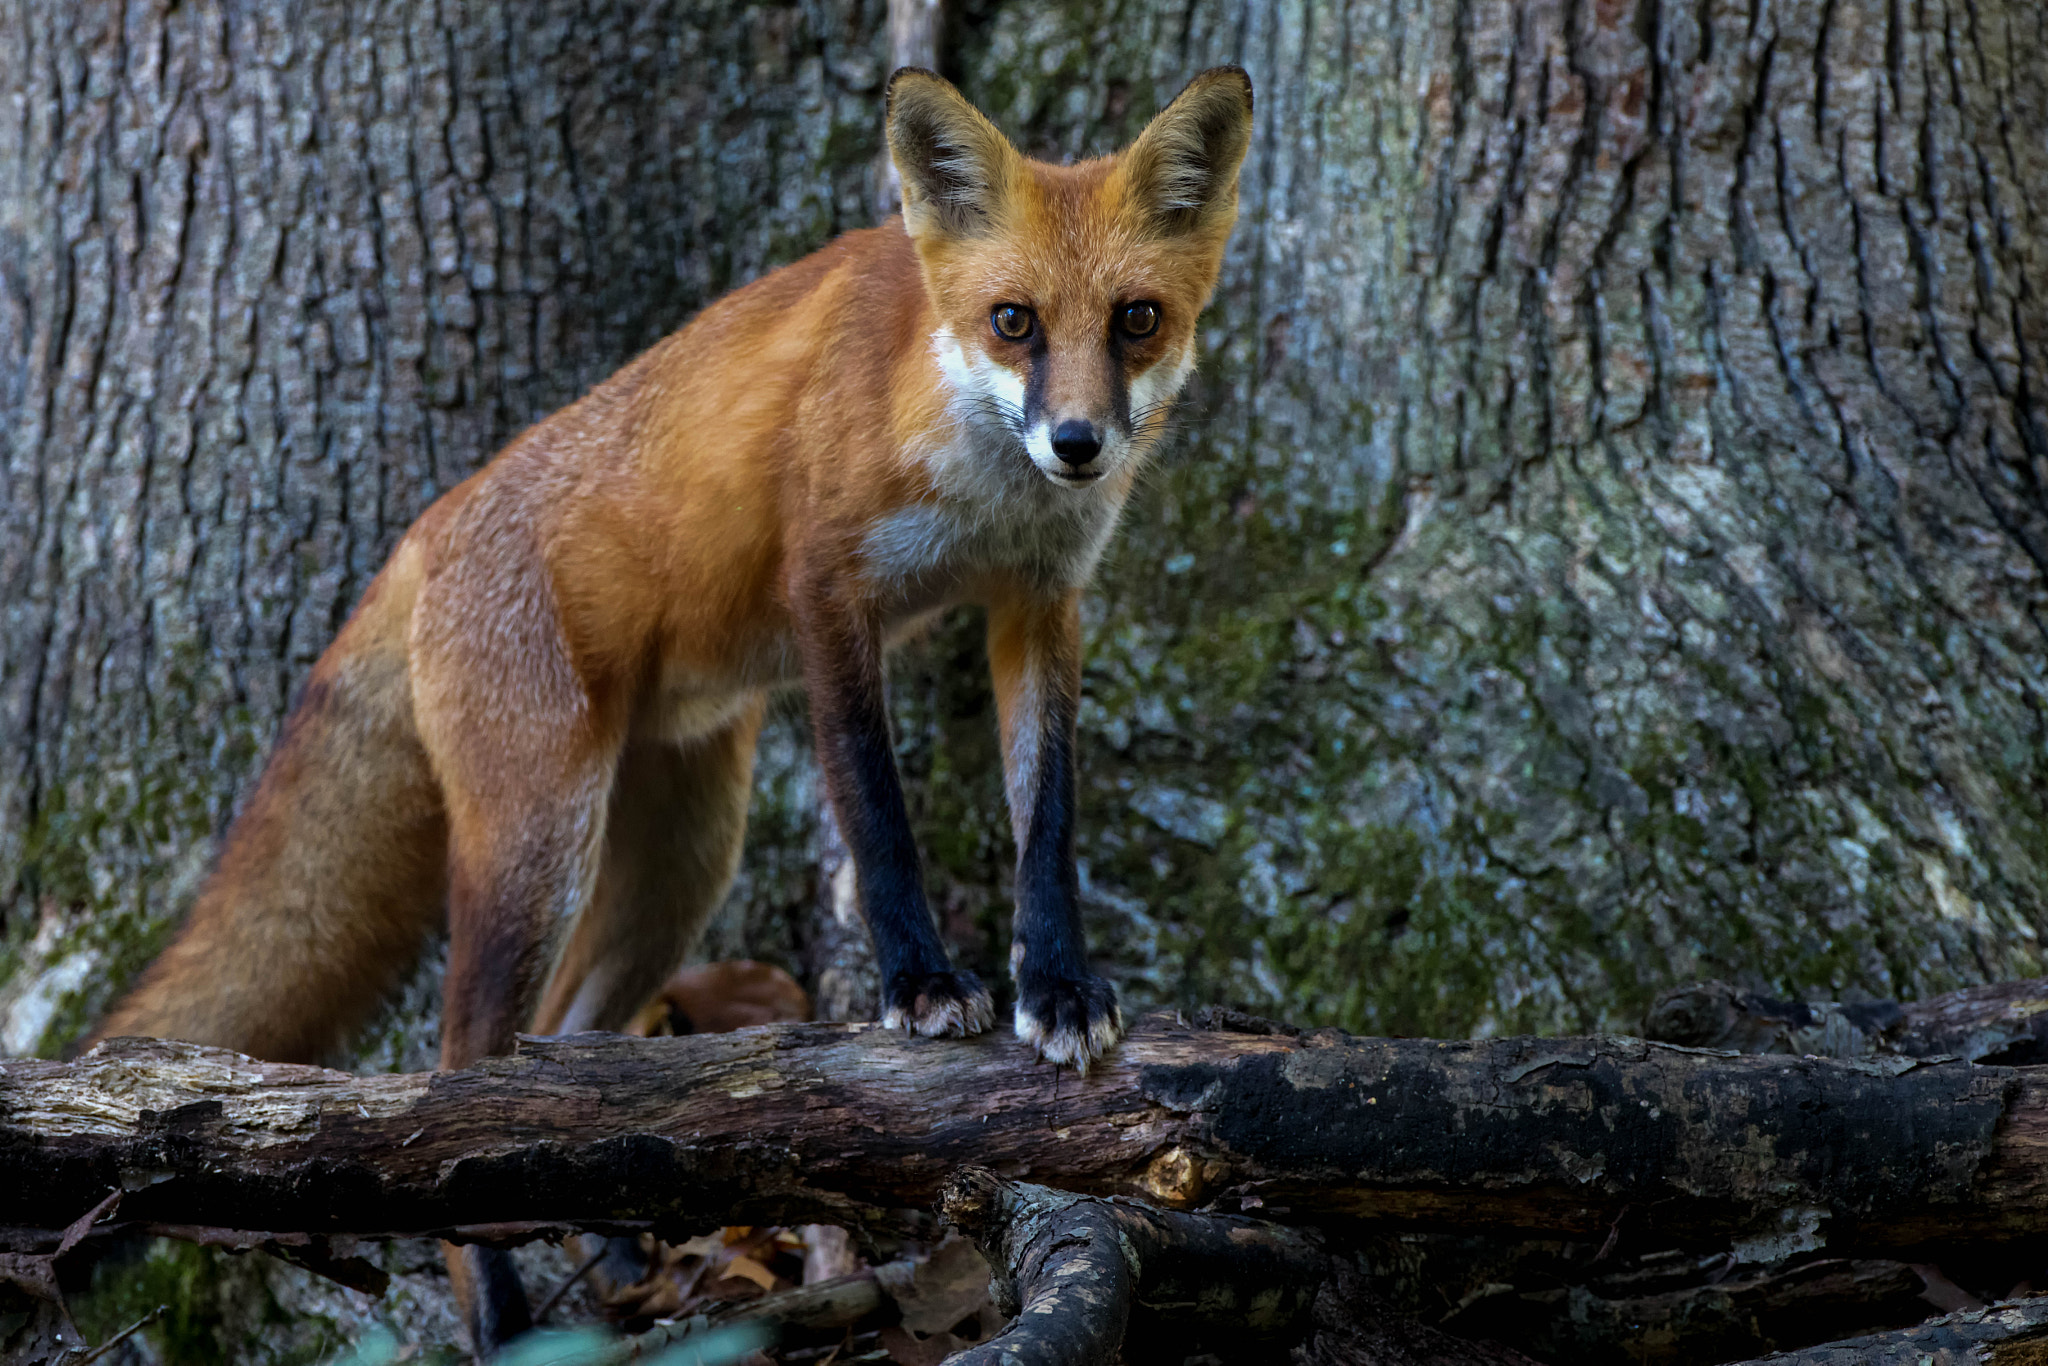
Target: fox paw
{"x": 938, "y": 1004}
{"x": 1071, "y": 1022}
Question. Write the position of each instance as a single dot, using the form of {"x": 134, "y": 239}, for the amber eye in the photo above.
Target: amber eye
{"x": 1138, "y": 320}
{"x": 1011, "y": 321}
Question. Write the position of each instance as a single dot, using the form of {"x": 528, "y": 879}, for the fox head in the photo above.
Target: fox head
{"x": 1067, "y": 295}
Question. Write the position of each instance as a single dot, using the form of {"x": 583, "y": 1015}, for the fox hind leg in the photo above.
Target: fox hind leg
{"x": 525, "y": 749}
{"x": 519, "y": 871}
{"x": 678, "y": 816}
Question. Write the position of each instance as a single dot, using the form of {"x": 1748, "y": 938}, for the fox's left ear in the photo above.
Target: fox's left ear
{"x": 1183, "y": 167}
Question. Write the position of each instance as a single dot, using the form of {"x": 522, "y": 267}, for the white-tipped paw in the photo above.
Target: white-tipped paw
{"x": 938, "y": 1005}
{"x": 1069, "y": 1023}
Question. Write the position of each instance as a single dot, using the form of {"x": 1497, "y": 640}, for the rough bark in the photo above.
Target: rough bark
{"x": 839, "y": 957}
{"x": 1609, "y": 551}
{"x": 1606, "y": 550}
{"x": 845, "y": 1125}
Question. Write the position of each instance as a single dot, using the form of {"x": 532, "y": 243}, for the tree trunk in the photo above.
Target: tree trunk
{"x": 274, "y": 276}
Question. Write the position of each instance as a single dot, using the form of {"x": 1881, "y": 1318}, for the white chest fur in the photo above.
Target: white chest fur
{"x": 994, "y": 513}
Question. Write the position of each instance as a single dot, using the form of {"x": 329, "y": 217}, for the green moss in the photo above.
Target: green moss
{"x": 159, "y": 809}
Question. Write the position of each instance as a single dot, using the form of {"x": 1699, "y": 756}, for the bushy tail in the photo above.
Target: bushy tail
{"x": 329, "y": 881}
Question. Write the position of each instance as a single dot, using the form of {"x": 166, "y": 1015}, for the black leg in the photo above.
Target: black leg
{"x": 1063, "y": 1010}
{"x": 497, "y": 1311}
{"x": 843, "y": 676}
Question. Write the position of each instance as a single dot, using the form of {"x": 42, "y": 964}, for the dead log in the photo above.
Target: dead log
{"x": 1666, "y": 1306}
{"x": 842, "y": 1124}
{"x": 2015, "y": 1333}
{"x": 2003, "y": 1022}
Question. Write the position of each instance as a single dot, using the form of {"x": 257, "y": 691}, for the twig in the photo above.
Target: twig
{"x": 540, "y": 1315}
{"x": 126, "y": 1333}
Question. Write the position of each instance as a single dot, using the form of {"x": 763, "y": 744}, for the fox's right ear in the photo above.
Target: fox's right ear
{"x": 956, "y": 167}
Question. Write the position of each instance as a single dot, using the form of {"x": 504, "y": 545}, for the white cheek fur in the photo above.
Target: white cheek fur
{"x": 976, "y": 376}
{"x": 1162, "y": 381}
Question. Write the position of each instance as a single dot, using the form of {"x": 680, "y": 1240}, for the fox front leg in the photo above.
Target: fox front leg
{"x": 841, "y": 646}
{"x": 1034, "y": 648}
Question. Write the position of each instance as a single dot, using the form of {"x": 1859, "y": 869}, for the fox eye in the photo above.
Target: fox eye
{"x": 1139, "y": 319}
{"x": 1011, "y": 321}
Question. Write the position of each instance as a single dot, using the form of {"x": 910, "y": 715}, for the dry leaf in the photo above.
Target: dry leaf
{"x": 936, "y": 1293}
{"x": 713, "y": 998}
{"x": 752, "y": 1270}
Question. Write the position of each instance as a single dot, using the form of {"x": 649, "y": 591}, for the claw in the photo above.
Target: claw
{"x": 946, "y": 1005}
{"x": 1072, "y": 1023}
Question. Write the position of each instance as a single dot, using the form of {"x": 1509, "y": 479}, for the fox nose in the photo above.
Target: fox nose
{"x": 1076, "y": 441}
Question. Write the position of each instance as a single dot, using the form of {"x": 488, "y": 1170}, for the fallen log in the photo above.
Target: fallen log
{"x": 851, "y": 1125}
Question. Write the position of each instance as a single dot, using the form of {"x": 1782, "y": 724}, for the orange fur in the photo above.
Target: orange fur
{"x": 543, "y": 711}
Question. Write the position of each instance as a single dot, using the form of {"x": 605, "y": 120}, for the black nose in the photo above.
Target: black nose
{"x": 1076, "y": 442}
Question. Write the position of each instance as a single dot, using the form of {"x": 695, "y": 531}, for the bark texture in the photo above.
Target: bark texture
{"x": 2004, "y": 1335}
{"x": 2001, "y": 1022}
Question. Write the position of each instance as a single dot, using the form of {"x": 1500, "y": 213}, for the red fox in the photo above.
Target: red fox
{"x": 542, "y": 714}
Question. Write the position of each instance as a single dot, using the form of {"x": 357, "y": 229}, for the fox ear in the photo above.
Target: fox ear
{"x": 1183, "y": 167}
{"x": 955, "y": 165}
